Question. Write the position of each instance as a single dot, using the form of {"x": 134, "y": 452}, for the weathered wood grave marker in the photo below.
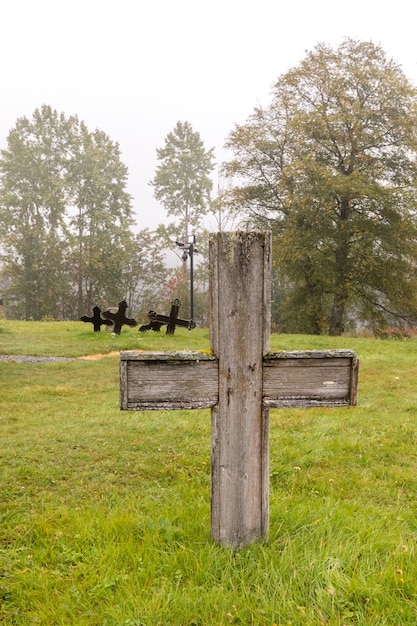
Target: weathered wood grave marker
{"x": 172, "y": 320}
{"x": 240, "y": 381}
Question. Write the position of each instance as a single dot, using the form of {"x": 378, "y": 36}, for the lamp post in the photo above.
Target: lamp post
{"x": 188, "y": 251}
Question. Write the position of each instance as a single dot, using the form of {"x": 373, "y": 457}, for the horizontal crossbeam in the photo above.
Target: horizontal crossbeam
{"x": 167, "y": 380}
{"x": 189, "y": 380}
{"x": 310, "y": 378}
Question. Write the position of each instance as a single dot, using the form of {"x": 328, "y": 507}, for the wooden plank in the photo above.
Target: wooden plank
{"x": 239, "y": 331}
{"x": 123, "y": 384}
{"x": 313, "y": 378}
{"x": 168, "y": 380}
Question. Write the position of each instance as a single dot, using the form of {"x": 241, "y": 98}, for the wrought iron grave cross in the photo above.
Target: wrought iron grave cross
{"x": 118, "y": 317}
{"x": 96, "y": 319}
{"x": 172, "y": 320}
{"x": 240, "y": 381}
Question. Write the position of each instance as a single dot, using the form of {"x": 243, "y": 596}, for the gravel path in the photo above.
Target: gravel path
{"x": 33, "y": 359}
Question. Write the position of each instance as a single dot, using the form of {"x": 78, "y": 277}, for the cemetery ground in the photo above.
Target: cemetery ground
{"x": 105, "y": 514}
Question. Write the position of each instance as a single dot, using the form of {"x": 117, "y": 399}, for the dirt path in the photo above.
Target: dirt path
{"x": 96, "y": 357}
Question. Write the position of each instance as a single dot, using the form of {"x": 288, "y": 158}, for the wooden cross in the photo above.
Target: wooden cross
{"x": 172, "y": 320}
{"x": 241, "y": 380}
{"x": 96, "y": 319}
{"x": 118, "y": 317}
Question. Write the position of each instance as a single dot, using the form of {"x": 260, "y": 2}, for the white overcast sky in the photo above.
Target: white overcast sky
{"x": 133, "y": 68}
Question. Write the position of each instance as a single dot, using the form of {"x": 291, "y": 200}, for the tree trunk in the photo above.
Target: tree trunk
{"x": 80, "y": 303}
{"x": 341, "y": 296}
{"x": 80, "y": 309}
{"x": 337, "y": 325}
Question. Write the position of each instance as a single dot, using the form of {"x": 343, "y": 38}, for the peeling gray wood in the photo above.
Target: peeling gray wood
{"x": 315, "y": 378}
{"x": 176, "y": 355}
{"x": 168, "y": 380}
{"x": 184, "y": 379}
{"x": 239, "y": 331}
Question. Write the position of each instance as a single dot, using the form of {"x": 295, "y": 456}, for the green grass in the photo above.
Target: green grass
{"x": 75, "y": 339}
{"x": 105, "y": 515}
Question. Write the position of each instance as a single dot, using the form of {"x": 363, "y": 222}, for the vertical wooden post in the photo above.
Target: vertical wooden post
{"x": 240, "y": 296}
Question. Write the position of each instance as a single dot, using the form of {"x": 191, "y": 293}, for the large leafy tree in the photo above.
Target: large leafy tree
{"x": 330, "y": 166}
{"x": 32, "y": 213}
{"x": 64, "y": 215}
{"x": 182, "y": 181}
{"x": 183, "y": 185}
{"x": 101, "y": 217}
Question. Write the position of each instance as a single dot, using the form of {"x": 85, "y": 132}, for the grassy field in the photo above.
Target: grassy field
{"x": 105, "y": 515}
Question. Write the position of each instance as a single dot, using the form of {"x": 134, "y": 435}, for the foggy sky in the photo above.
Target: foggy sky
{"x": 133, "y": 68}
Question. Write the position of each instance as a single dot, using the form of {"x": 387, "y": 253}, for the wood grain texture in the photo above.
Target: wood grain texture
{"x": 313, "y": 378}
{"x": 168, "y": 380}
{"x": 239, "y": 331}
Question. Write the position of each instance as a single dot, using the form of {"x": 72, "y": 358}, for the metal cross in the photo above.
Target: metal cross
{"x": 171, "y": 320}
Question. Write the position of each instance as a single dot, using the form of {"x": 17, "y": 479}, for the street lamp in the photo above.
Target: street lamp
{"x": 188, "y": 251}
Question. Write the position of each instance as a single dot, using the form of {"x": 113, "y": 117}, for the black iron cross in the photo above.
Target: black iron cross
{"x": 172, "y": 320}
{"x": 96, "y": 319}
{"x": 119, "y": 318}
